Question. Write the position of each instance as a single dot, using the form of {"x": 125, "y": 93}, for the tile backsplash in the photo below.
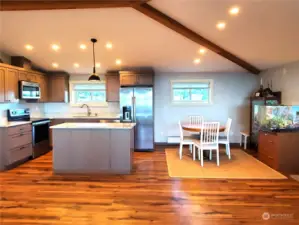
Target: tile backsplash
{"x": 57, "y": 109}
{"x": 36, "y": 109}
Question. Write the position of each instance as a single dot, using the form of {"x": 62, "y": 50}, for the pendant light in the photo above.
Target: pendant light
{"x": 94, "y": 76}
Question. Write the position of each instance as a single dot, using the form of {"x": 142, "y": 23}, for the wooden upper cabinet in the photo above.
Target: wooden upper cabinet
{"x": 11, "y": 85}
{"x": 58, "y": 84}
{"x": 32, "y": 77}
{"x": 136, "y": 78}
{"x": 145, "y": 79}
{"x": 112, "y": 87}
{"x": 28, "y": 76}
{"x": 22, "y": 75}
{"x": 2, "y": 90}
{"x": 128, "y": 79}
{"x": 42, "y": 80}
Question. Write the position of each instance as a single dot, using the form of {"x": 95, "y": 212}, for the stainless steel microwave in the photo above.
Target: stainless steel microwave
{"x": 29, "y": 90}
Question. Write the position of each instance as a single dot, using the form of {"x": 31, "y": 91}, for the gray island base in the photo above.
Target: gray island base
{"x": 90, "y": 148}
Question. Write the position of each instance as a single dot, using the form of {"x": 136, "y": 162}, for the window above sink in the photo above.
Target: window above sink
{"x": 85, "y": 92}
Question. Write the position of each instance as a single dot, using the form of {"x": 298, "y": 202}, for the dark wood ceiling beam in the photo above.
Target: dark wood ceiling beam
{"x": 20, "y": 5}
{"x": 186, "y": 32}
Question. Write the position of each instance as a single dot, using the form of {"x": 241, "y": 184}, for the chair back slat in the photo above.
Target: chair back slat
{"x": 181, "y": 131}
{"x": 195, "y": 120}
{"x": 210, "y": 133}
{"x": 228, "y": 126}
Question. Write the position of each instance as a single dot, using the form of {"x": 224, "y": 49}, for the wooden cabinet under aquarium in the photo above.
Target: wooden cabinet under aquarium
{"x": 280, "y": 151}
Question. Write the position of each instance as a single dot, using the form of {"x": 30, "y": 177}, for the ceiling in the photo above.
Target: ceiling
{"x": 264, "y": 34}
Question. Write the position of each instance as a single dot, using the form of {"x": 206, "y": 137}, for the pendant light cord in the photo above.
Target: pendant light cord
{"x": 94, "y": 61}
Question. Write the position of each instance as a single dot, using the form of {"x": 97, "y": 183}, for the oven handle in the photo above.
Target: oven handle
{"x": 41, "y": 122}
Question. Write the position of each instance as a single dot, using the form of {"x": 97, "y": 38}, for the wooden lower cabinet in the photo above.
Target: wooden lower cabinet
{"x": 15, "y": 145}
{"x": 280, "y": 151}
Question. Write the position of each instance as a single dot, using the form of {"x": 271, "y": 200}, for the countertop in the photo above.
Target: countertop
{"x": 13, "y": 124}
{"x": 83, "y": 116}
{"x": 94, "y": 126}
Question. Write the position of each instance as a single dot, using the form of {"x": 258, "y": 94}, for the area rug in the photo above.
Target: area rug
{"x": 240, "y": 166}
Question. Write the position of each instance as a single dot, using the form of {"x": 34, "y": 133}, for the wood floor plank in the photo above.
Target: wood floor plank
{"x": 31, "y": 194}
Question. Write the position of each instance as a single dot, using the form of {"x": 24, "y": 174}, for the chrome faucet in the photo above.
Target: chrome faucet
{"x": 88, "y": 109}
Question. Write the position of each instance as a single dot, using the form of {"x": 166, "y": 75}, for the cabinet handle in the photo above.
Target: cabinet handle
{"x": 271, "y": 142}
{"x": 270, "y": 157}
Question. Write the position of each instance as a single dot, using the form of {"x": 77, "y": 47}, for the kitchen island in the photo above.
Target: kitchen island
{"x": 87, "y": 148}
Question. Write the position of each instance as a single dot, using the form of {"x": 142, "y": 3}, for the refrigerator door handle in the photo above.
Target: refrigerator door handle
{"x": 134, "y": 109}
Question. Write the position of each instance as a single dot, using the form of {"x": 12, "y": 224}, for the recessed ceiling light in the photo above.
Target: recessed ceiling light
{"x": 202, "y": 51}
{"x": 221, "y": 25}
{"x": 29, "y": 47}
{"x": 76, "y": 65}
{"x": 98, "y": 65}
{"x": 234, "y": 10}
{"x": 83, "y": 46}
{"x": 109, "y": 45}
{"x": 118, "y": 62}
{"x": 55, "y": 47}
{"x": 55, "y": 65}
{"x": 196, "y": 61}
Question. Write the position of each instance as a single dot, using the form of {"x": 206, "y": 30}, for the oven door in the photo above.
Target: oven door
{"x": 29, "y": 90}
{"x": 40, "y": 138}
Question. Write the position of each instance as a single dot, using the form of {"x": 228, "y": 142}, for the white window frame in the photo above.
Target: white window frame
{"x": 72, "y": 98}
{"x": 182, "y": 102}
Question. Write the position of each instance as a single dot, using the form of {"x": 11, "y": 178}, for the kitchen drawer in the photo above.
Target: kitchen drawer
{"x": 18, "y": 140}
{"x": 270, "y": 149}
{"x": 19, "y": 129}
{"x": 268, "y": 160}
{"x": 268, "y": 138}
{"x": 19, "y": 153}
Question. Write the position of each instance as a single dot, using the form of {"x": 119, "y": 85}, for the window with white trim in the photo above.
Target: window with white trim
{"x": 88, "y": 93}
{"x": 192, "y": 91}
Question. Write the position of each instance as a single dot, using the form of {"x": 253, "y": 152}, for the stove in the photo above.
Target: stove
{"x": 40, "y": 130}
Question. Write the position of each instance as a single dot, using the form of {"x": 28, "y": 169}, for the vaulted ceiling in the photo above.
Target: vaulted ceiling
{"x": 264, "y": 34}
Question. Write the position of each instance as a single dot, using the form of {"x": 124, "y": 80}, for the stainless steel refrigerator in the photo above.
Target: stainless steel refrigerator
{"x": 136, "y": 105}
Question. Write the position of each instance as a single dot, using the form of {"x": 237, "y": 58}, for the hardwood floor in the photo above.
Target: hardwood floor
{"x": 31, "y": 194}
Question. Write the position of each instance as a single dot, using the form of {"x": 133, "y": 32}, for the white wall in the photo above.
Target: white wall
{"x": 286, "y": 80}
{"x": 230, "y": 99}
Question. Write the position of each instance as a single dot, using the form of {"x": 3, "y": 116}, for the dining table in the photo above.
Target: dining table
{"x": 197, "y": 128}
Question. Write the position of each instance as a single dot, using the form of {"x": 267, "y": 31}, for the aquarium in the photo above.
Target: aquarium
{"x": 276, "y": 118}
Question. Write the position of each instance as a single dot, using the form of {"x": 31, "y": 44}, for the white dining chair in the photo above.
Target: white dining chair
{"x": 209, "y": 141}
{"x": 184, "y": 140}
{"x": 224, "y": 140}
{"x": 195, "y": 120}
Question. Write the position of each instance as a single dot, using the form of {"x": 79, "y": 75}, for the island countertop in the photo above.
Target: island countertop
{"x": 94, "y": 126}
